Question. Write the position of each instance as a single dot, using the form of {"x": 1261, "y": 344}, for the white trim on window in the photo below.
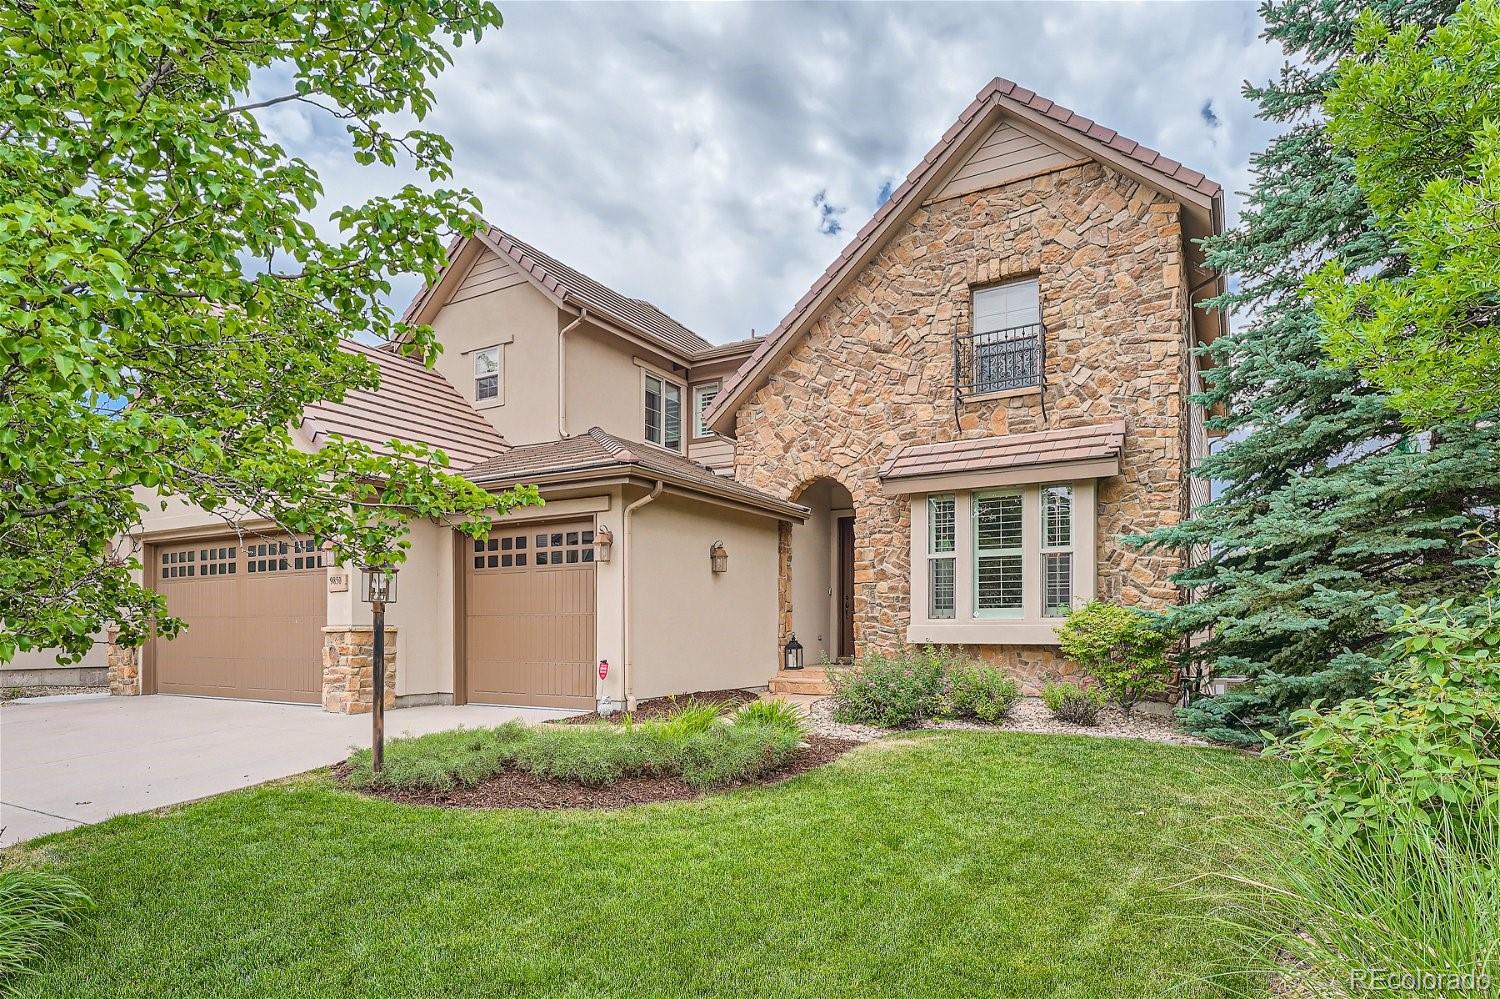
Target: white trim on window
{"x": 1056, "y": 528}
{"x": 1002, "y": 540}
{"x": 999, "y": 555}
{"x": 661, "y": 407}
{"x": 942, "y": 557}
{"x": 489, "y": 375}
{"x": 703, "y": 396}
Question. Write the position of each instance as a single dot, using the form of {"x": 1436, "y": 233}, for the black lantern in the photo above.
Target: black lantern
{"x": 380, "y": 586}
{"x": 718, "y": 557}
{"x": 792, "y": 654}
{"x": 380, "y": 589}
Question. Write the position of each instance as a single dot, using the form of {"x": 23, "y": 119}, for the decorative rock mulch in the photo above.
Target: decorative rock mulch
{"x": 1030, "y": 715}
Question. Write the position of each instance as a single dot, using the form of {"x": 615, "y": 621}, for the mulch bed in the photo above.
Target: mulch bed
{"x": 661, "y": 707}
{"x": 517, "y": 789}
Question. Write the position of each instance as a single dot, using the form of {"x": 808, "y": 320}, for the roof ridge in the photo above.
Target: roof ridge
{"x": 997, "y": 90}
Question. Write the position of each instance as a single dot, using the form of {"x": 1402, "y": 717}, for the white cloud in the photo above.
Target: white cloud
{"x": 673, "y": 151}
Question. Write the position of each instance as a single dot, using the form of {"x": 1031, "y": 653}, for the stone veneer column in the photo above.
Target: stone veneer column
{"x": 124, "y": 667}
{"x": 349, "y": 669}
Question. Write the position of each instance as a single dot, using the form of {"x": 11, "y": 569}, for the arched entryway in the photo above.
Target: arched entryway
{"x": 822, "y": 573}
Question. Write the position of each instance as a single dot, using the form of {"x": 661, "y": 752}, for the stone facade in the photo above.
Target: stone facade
{"x": 124, "y": 667}
{"x": 874, "y": 371}
{"x": 349, "y": 669}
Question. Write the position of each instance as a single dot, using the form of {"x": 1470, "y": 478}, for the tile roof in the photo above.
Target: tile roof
{"x": 998, "y": 89}
{"x": 988, "y": 454}
{"x": 414, "y": 404}
{"x": 599, "y": 451}
{"x": 565, "y": 282}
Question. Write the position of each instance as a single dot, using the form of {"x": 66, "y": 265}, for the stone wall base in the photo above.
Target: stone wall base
{"x": 123, "y": 667}
{"x": 349, "y": 669}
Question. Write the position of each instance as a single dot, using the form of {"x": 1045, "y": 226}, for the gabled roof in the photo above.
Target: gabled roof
{"x": 567, "y": 283}
{"x": 597, "y": 454}
{"x": 414, "y": 405}
{"x": 571, "y": 289}
{"x": 1202, "y": 199}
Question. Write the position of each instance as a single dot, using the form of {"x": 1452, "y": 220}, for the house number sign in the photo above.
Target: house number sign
{"x": 338, "y": 580}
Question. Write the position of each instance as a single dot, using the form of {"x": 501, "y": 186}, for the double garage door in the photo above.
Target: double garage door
{"x": 529, "y": 616}
{"x": 255, "y": 612}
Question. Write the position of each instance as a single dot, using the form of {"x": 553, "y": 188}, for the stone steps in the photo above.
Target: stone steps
{"x": 804, "y": 681}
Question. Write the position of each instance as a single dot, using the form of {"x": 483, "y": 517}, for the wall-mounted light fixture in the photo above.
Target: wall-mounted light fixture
{"x": 718, "y": 556}
{"x": 604, "y": 542}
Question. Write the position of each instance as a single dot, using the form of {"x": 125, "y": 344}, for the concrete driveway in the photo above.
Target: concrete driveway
{"x": 71, "y": 761}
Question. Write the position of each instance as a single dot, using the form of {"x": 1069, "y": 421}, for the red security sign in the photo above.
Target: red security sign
{"x": 603, "y": 668}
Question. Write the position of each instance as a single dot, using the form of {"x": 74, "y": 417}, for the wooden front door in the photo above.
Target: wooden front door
{"x": 846, "y": 587}
{"x": 529, "y": 616}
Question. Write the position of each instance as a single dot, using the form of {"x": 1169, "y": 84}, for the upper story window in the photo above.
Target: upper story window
{"x": 1004, "y": 351}
{"x": 703, "y": 397}
{"x": 487, "y": 374}
{"x": 663, "y": 412}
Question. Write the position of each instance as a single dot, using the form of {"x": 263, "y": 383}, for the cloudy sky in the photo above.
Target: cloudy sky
{"x": 715, "y": 158}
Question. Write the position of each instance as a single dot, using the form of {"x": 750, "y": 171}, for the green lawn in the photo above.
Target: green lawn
{"x": 950, "y": 864}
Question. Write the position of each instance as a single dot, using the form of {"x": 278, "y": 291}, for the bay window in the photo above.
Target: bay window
{"x": 1001, "y": 565}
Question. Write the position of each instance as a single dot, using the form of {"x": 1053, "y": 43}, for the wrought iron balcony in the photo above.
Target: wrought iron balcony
{"x": 998, "y": 360}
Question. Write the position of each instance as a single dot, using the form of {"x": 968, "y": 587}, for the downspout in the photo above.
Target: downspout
{"x": 562, "y": 373}
{"x": 625, "y": 587}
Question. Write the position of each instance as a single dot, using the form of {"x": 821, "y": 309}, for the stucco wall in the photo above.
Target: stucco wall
{"x": 423, "y": 612}
{"x": 692, "y": 628}
{"x": 604, "y": 383}
{"x": 875, "y": 372}
{"x": 526, "y": 411}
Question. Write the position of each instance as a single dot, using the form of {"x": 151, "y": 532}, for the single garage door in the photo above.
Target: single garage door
{"x": 529, "y": 616}
{"x": 255, "y": 612}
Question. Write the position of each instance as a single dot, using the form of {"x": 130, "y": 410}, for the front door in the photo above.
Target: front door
{"x": 846, "y": 587}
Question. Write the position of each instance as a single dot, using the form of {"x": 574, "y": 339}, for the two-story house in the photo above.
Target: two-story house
{"x": 944, "y": 440}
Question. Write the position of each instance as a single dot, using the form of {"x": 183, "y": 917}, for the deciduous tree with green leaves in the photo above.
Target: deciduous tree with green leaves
{"x": 1420, "y": 118}
{"x": 167, "y": 309}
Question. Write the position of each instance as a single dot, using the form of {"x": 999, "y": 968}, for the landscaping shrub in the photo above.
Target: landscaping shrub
{"x": 689, "y": 718}
{"x": 1121, "y": 648}
{"x": 772, "y": 712}
{"x": 36, "y": 908}
{"x": 891, "y": 691}
{"x": 1427, "y": 740}
{"x": 979, "y": 691}
{"x": 1415, "y": 896}
{"x": 442, "y": 760}
{"x": 594, "y": 755}
{"x": 695, "y": 743}
{"x": 1073, "y": 704}
{"x": 726, "y": 753}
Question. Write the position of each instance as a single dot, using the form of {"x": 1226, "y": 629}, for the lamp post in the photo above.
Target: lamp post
{"x": 380, "y": 589}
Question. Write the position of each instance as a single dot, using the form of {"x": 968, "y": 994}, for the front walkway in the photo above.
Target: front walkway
{"x": 73, "y": 761}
